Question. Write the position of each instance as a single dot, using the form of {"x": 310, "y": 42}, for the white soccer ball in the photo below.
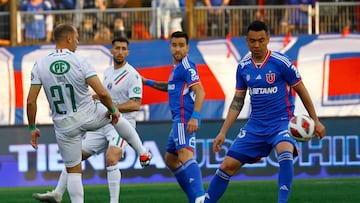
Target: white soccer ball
{"x": 301, "y": 128}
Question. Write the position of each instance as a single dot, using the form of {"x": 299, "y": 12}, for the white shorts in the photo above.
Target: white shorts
{"x": 69, "y": 138}
{"x": 95, "y": 142}
{"x": 70, "y": 148}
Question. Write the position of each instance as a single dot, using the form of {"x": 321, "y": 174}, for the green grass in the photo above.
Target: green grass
{"x": 339, "y": 190}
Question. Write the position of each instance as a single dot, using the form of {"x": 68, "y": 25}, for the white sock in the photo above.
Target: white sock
{"x": 113, "y": 177}
{"x": 75, "y": 188}
{"x": 61, "y": 185}
{"x": 126, "y": 131}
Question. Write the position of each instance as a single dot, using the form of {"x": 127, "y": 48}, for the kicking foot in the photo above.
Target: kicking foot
{"x": 145, "y": 159}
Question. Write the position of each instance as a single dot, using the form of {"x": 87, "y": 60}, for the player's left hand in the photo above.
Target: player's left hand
{"x": 192, "y": 126}
{"x": 34, "y": 136}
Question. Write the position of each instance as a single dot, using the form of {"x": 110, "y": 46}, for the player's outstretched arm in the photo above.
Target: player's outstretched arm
{"x": 162, "y": 86}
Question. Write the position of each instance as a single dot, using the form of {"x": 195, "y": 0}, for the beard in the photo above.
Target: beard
{"x": 119, "y": 62}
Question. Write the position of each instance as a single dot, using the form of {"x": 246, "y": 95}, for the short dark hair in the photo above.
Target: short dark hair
{"x": 120, "y": 39}
{"x": 180, "y": 34}
{"x": 257, "y": 26}
{"x": 62, "y": 30}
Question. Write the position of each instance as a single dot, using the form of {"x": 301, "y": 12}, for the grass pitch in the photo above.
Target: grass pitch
{"x": 339, "y": 190}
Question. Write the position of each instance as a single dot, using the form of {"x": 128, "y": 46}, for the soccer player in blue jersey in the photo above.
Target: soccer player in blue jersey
{"x": 186, "y": 96}
{"x": 269, "y": 76}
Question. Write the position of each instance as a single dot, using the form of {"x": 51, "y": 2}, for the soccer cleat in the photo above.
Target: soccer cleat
{"x": 200, "y": 199}
{"x": 49, "y": 196}
{"x": 145, "y": 159}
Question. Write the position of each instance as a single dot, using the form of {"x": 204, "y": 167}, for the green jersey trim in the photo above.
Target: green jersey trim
{"x": 91, "y": 76}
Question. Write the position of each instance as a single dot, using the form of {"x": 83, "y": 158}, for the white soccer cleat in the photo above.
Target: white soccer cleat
{"x": 145, "y": 159}
{"x": 200, "y": 199}
{"x": 49, "y": 196}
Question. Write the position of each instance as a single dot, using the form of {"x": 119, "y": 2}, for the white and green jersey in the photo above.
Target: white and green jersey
{"x": 123, "y": 84}
{"x": 63, "y": 76}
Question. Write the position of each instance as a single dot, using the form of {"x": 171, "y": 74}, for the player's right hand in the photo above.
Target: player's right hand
{"x": 34, "y": 136}
{"x": 218, "y": 142}
{"x": 115, "y": 116}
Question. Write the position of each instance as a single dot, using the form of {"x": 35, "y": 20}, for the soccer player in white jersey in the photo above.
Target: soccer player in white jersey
{"x": 66, "y": 78}
{"x": 269, "y": 76}
{"x": 125, "y": 87}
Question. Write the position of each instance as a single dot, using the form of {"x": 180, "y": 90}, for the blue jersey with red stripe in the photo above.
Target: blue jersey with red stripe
{"x": 269, "y": 85}
{"x": 181, "y": 97}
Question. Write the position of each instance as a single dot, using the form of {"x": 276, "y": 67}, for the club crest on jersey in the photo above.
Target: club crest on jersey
{"x": 109, "y": 86}
{"x": 270, "y": 78}
{"x": 137, "y": 90}
{"x": 59, "y": 67}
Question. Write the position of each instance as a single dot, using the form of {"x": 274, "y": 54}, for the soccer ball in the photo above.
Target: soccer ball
{"x": 301, "y": 128}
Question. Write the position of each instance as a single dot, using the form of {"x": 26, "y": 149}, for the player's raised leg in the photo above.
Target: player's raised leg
{"x": 126, "y": 131}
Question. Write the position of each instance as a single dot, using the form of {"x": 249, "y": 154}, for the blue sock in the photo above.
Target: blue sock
{"x": 286, "y": 173}
{"x": 194, "y": 178}
{"x": 217, "y": 186}
{"x": 181, "y": 177}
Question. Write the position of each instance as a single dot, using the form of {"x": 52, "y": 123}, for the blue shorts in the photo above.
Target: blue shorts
{"x": 250, "y": 148}
{"x": 179, "y": 139}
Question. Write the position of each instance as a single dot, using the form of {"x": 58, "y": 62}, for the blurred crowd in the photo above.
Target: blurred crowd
{"x": 94, "y": 24}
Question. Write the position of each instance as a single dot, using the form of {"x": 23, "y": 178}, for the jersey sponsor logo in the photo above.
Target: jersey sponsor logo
{"x": 137, "y": 90}
{"x": 270, "y": 78}
{"x": 269, "y": 90}
{"x": 59, "y": 67}
{"x": 258, "y": 77}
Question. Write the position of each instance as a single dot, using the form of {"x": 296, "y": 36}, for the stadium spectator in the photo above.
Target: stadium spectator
{"x": 103, "y": 33}
{"x": 217, "y": 18}
{"x": 170, "y": 17}
{"x": 63, "y": 5}
{"x": 87, "y": 28}
{"x": 128, "y": 103}
{"x": 240, "y": 17}
{"x": 186, "y": 97}
{"x": 274, "y": 15}
{"x": 337, "y": 19}
{"x": 117, "y": 19}
{"x": 269, "y": 76}
{"x": 36, "y": 26}
{"x": 296, "y": 19}
{"x": 93, "y": 4}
